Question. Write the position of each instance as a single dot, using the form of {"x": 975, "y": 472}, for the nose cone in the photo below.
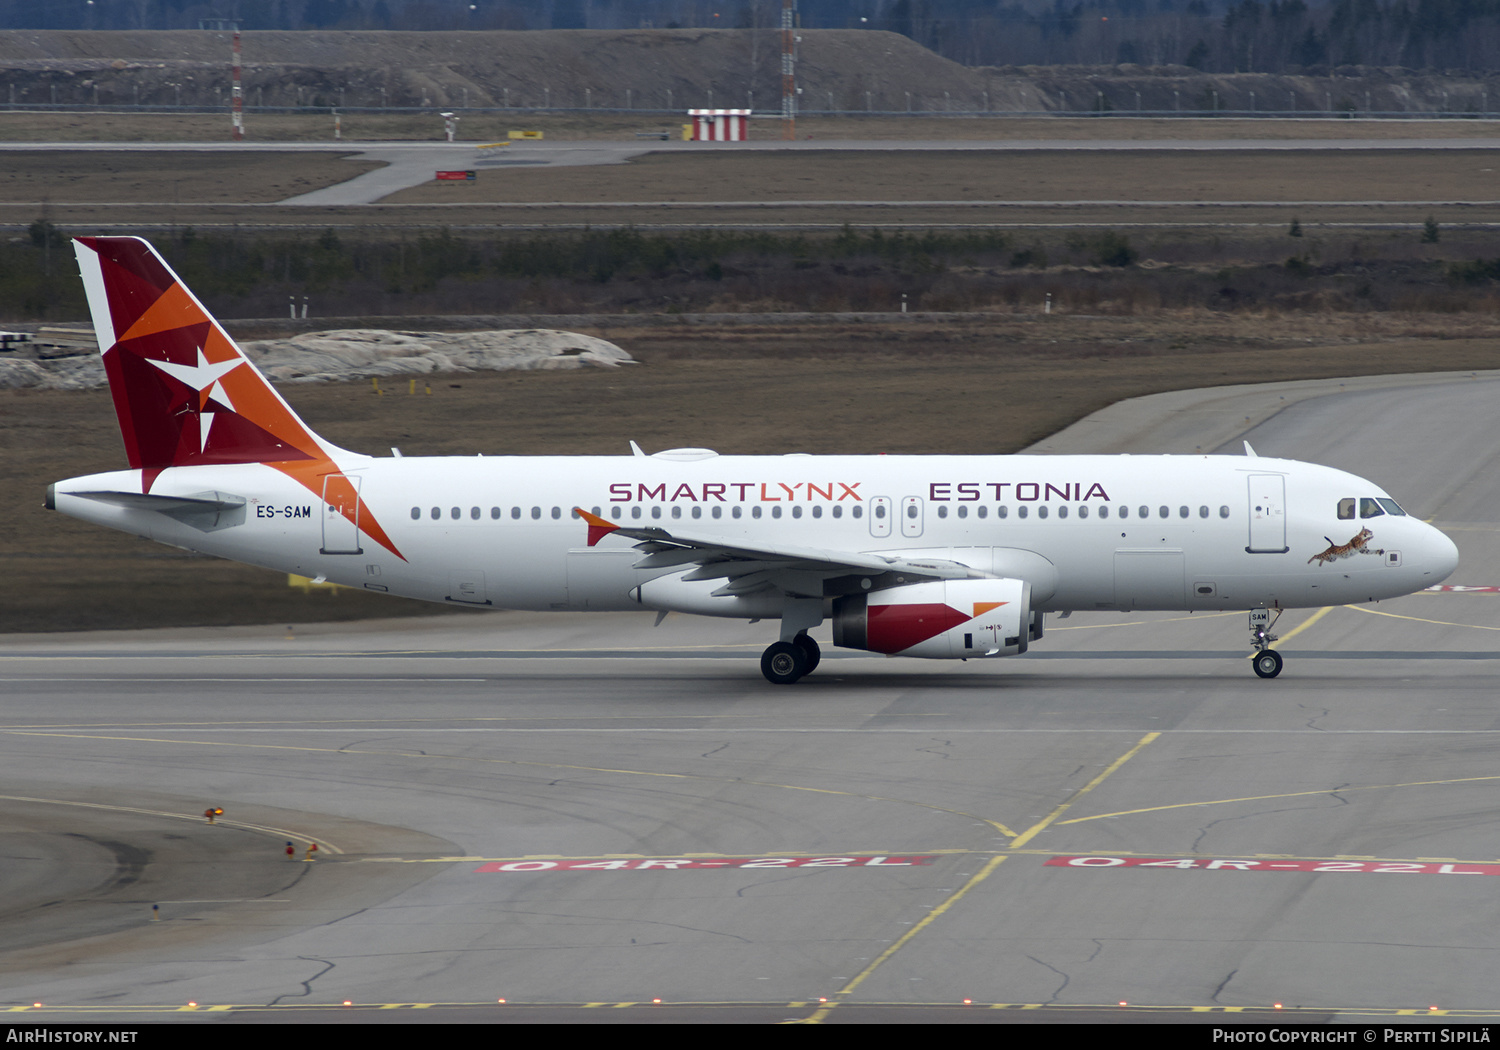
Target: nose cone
{"x": 1439, "y": 557}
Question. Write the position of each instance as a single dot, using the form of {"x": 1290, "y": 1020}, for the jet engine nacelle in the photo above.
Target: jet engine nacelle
{"x": 942, "y": 620}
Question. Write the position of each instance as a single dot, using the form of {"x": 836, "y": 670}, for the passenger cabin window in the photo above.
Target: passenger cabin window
{"x": 1369, "y": 508}
{"x": 416, "y": 513}
{"x": 1346, "y": 509}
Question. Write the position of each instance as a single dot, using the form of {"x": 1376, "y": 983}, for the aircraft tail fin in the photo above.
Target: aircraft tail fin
{"x": 184, "y": 393}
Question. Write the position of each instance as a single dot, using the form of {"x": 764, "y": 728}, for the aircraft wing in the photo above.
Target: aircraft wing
{"x": 795, "y": 570}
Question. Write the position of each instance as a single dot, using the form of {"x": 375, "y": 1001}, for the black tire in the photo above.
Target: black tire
{"x": 811, "y": 654}
{"x": 1267, "y": 663}
{"x": 783, "y": 663}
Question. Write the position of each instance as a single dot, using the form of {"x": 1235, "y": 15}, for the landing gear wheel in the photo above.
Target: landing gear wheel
{"x": 811, "y": 654}
{"x": 783, "y": 663}
{"x": 1267, "y": 663}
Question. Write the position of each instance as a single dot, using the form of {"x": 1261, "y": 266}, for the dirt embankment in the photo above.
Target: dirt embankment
{"x": 662, "y": 70}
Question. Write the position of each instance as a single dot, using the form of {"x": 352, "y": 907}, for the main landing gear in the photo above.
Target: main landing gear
{"x": 1267, "y": 662}
{"x": 784, "y": 662}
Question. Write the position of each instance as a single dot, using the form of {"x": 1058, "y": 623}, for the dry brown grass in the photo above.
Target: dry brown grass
{"x": 85, "y": 190}
{"x": 937, "y": 175}
{"x": 923, "y": 385}
{"x": 489, "y": 127}
{"x": 188, "y": 178}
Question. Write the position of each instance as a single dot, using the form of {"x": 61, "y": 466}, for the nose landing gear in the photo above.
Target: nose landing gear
{"x": 1267, "y": 662}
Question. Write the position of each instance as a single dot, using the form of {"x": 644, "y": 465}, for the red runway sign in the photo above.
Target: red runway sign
{"x": 1368, "y": 867}
{"x": 682, "y": 863}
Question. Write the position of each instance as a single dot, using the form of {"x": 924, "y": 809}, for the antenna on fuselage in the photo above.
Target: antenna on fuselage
{"x": 635, "y": 450}
{"x": 1250, "y": 451}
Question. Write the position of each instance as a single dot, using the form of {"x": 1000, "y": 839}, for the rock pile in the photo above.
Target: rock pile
{"x": 356, "y": 353}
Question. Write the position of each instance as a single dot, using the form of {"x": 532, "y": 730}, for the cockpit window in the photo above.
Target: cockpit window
{"x": 1346, "y": 509}
{"x": 1369, "y": 508}
{"x": 1391, "y": 507}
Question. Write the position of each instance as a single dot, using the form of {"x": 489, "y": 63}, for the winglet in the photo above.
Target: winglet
{"x": 598, "y": 527}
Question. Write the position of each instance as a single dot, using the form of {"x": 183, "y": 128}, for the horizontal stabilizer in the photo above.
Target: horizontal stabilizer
{"x": 205, "y": 511}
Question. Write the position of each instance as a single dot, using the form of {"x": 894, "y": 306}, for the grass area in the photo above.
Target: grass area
{"x": 982, "y": 175}
{"x": 925, "y": 385}
{"x": 312, "y": 126}
{"x": 169, "y": 177}
{"x": 1136, "y": 312}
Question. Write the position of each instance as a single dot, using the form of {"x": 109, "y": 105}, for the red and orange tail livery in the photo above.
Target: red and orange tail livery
{"x": 185, "y": 394}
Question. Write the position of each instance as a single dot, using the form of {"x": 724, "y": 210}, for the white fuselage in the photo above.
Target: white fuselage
{"x": 1088, "y": 532}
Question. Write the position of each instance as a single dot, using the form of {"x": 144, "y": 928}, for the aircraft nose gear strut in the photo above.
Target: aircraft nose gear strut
{"x": 1267, "y": 662}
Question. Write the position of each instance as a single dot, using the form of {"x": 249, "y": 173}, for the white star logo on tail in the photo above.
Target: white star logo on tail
{"x": 204, "y": 378}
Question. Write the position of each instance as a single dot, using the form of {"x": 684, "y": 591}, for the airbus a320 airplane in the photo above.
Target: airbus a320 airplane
{"x": 944, "y": 557}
